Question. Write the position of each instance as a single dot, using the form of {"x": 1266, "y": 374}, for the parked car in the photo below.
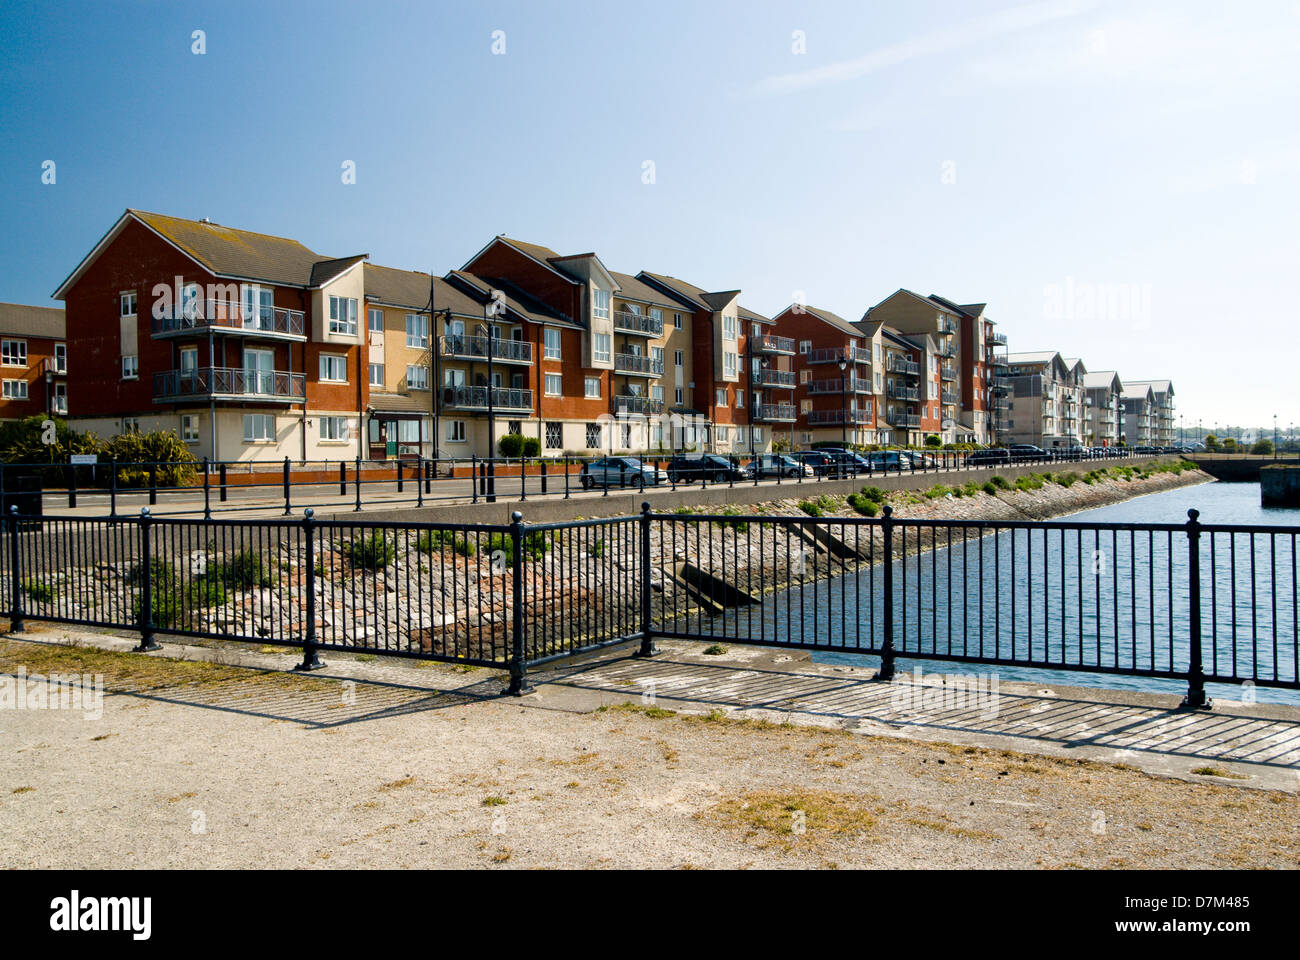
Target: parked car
{"x": 821, "y": 464}
{"x": 990, "y": 457}
{"x": 619, "y": 472}
{"x": 889, "y": 461}
{"x": 777, "y": 465}
{"x": 846, "y": 463}
{"x": 685, "y": 468}
{"x": 1026, "y": 451}
{"x": 1146, "y": 449}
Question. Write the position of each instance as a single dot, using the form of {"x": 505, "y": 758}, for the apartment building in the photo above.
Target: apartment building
{"x": 33, "y": 362}
{"x": 835, "y": 375}
{"x": 248, "y": 346}
{"x": 1140, "y": 414}
{"x": 1103, "y": 391}
{"x": 1074, "y": 407}
{"x": 1046, "y": 399}
{"x": 1165, "y": 418}
{"x": 965, "y": 342}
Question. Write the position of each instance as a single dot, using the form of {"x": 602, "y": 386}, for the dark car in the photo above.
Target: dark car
{"x": 820, "y": 463}
{"x": 992, "y": 457}
{"x": 776, "y": 465}
{"x": 1026, "y": 451}
{"x": 684, "y": 468}
{"x": 619, "y": 472}
{"x": 846, "y": 463}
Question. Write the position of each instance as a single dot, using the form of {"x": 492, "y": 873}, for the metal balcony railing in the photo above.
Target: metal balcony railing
{"x": 899, "y": 391}
{"x": 641, "y": 324}
{"x": 947, "y": 372}
{"x": 229, "y": 382}
{"x": 638, "y": 405}
{"x": 770, "y": 343}
{"x": 998, "y": 339}
{"x": 638, "y": 365}
{"x": 774, "y": 412}
{"x": 898, "y": 364}
{"x": 946, "y": 350}
{"x": 775, "y": 378}
{"x": 476, "y": 398}
{"x": 950, "y": 396}
{"x": 460, "y": 346}
{"x": 840, "y": 385}
{"x": 833, "y": 418}
{"x": 836, "y": 354}
{"x": 222, "y": 316}
{"x": 905, "y": 420}
{"x": 947, "y": 326}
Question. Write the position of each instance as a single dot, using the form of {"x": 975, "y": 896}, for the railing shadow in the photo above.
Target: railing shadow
{"x": 1071, "y": 722}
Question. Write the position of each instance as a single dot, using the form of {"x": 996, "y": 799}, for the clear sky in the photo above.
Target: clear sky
{"x": 1118, "y": 181}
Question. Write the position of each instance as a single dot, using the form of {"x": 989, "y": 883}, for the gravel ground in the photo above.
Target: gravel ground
{"x": 212, "y": 765}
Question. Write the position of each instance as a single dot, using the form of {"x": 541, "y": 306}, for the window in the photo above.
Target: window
{"x": 15, "y": 389}
{"x": 61, "y": 398}
{"x": 190, "y": 301}
{"x": 60, "y": 358}
{"x": 376, "y": 319}
{"x": 677, "y": 358}
{"x": 758, "y": 329}
{"x": 417, "y": 331}
{"x": 657, "y": 358}
{"x": 417, "y": 377}
{"x": 626, "y": 433}
{"x": 678, "y": 395}
{"x": 259, "y": 427}
{"x": 593, "y": 436}
{"x": 333, "y": 429}
{"x": 805, "y": 346}
{"x": 554, "y": 384}
{"x": 729, "y": 364}
{"x": 805, "y": 406}
{"x": 740, "y": 399}
{"x": 334, "y": 368}
{"x": 757, "y": 433}
{"x": 127, "y": 301}
{"x": 657, "y": 314}
{"x": 551, "y": 339}
{"x": 600, "y": 347}
{"x": 130, "y": 368}
{"x": 343, "y": 315}
{"x": 189, "y": 360}
{"x": 600, "y": 304}
{"x": 723, "y": 433}
{"x": 728, "y": 327}
{"x": 677, "y": 321}
{"x": 805, "y": 376}
{"x": 657, "y": 393}
{"x": 591, "y": 388}
{"x": 554, "y": 436}
{"x": 514, "y": 428}
{"x": 130, "y": 424}
{"x": 190, "y": 427}
{"x": 376, "y": 374}
{"x": 13, "y": 353}
{"x": 722, "y": 397}
{"x": 455, "y": 431}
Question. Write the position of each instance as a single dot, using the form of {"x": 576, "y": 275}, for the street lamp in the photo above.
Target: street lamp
{"x": 489, "y": 312}
{"x": 49, "y": 394}
{"x": 844, "y": 404}
{"x": 1275, "y": 436}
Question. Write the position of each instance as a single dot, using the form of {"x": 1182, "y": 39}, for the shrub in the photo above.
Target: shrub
{"x": 40, "y": 592}
{"x": 990, "y": 488}
{"x": 864, "y": 506}
{"x": 810, "y": 508}
{"x": 1263, "y": 447}
{"x": 161, "y": 446}
{"x": 1066, "y": 478}
{"x": 432, "y": 540}
{"x": 740, "y": 526}
{"x": 1000, "y": 482}
{"x": 207, "y": 590}
{"x": 874, "y": 494}
{"x": 373, "y": 552}
{"x": 245, "y": 571}
{"x": 532, "y": 447}
{"x": 535, "y": 546}
{"x": 511, "y": 446}
{"x": 164, "y": 594}
{"x": 933, "y": 440}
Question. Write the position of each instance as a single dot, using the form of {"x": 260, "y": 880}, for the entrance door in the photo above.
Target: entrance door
{"x": 259, "y": 371}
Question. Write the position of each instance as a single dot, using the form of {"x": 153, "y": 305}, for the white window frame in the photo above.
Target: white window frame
{"x": 376, "y": 368}
{"x": 190, "y": 427}
{"x": 334, "y": 430}
{"x": 13, "y": 353}
{"x": 601, "y": 347}
{"x": 556, "y": 379}
{"x": 131, "y": 367}
{"x": 721, "y": 399}
{"x": 551, "y": 343}
{"x": 591, "y": 388}
{"x": 740, "y": 399}
{"x": 419, "y": 338}
{"x": 343, "y": 316}
{"x": 421, "y": 380}
{"x": 456, "y": 431}
{"x": 728, "y": 327}
{"x": 130, "y": 425}
{"x": 600, "y": 303}
{"x": 327, "y": 365}
{"x": 259, "y": 420}
{"x": 595, "y": 436}
{"x": 15, "y": 390}
{"x": 127, "y": 303}
{"x": 559, "y": 435}
{"x": 60, "y": 358}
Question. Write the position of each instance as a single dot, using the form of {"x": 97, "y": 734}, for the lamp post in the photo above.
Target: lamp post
{"x": 49, "y": 396}
{"x": 844, "y": 405}
{"x": 1275, "y": 436}
{"x": 489, "y": 312}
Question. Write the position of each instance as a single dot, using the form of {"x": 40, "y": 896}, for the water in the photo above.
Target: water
{"x": 1089, "y": 598}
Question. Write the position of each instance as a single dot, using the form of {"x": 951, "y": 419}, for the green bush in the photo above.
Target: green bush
{"x": 161, "y": 446}
{"x": 208, "y": 590}
{"x": 874, "y": 494}
{"x": 1263, "y": 447}
{"x": 40, "y": 592}
{"x": 432, "y": 540}
{"x": 934, "y": 440}
{"x": 373, "y": 552}
{"x": 863, "y": 505}
{"x": 1000, "y": 482}
{"x": 532, "y": 447}
{"x": 511, "y": 446}
{"x": 245, "y": 571}
{"x": 990, "y": 488}
{"x": 164, "y": 594}
{"x": 1066, "y": 478}
{"x": 810, "y": 508}
{"x": 535, "y": 545}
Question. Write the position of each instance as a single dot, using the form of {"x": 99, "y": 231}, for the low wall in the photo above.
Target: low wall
{"x": 1280, "y": 486}
{"x": 665, "y": 500}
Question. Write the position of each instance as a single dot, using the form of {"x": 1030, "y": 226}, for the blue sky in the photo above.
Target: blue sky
{"x": 1142, "y": 157}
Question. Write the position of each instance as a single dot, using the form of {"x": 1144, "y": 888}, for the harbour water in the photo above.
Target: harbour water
{"x": 1143, "y": 619}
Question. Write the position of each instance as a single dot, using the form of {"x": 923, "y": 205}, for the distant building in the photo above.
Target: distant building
{"x": 33, "y": 362}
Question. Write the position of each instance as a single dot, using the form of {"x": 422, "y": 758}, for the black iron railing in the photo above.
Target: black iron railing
{"x": 1193, "y": 602}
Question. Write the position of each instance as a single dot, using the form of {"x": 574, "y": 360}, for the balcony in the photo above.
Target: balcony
{"x": 642, "y": 406}
{"x": 899, "y": 391}
{"x": 947, "y": 372}
{"x": 840, "y": 385}
{"x": 1002, "y": 426}
{"x": 476, "y": 398}
{"x": 947, "y": 327}
{"x": 775, "y": 378}
{"x": 897, "y": 364}
{"x": 461, "y": 347}
{"x": 948, "y": 350}
{"x": 904, "y": 420}
{"x": 640, "y": 324}
{"x": 950, "y": 397}
{"x": 998, "y": 339}
{"x": 636, "y": 365}
{"x": 833, "y": 418}
{"x": 229, "y": 383}
{"x": 774, "y": 413}
{"x": 836, "y": 354}
{"x": 221, "y": 316}
{"x": 770, "y": 343}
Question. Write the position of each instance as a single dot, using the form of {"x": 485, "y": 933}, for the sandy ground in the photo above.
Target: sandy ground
{"x": 214, "y": 765}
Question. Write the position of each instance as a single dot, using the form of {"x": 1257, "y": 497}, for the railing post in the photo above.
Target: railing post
{"x": 398, "y": 463}
{"x": 207, "y": 493}
{"x": 473, "y": 477}
{"x": 357, "y": 485}
{"x": 1196, "y": 698}
{"x": 153, "y": 485}
{"x": 287, "y": 511}
{"x": 647, "y": 635}
{"x": 343, "y": 478}
{"x": 523, "y": 481}
{"x": 112, "y": 487}
{"x": 16, "y": 575}
{"x": 222, "y": 490}
{"x": 518, "y": 682}
{"x": 147, "y": 642}
{"x": 310, "y": 660}
{"x": 72, "y": 488}
{"x": 886, "y": 671}
{"x": 419, "y": 481}
{"x": 542, "y": 466}
{"x": 566, "y": 476}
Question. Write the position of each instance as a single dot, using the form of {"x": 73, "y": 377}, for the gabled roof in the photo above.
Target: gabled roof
{"x": 1102, "y": 380}
{"x": 524, "y": 306}
{"x": 687, "y": 293}
{"x": 1157, "y": 386}
{"x": 229, "y": 253}
{"x": 22, "y": 320}
{"x": 832, "y": 319}
{"x": 1036, "y": 356}
{"x": 1138, "y": 391}
{"x": 409, "y": 289}
{"x": 937, "y": 302}
{"x": 630, "y": 288}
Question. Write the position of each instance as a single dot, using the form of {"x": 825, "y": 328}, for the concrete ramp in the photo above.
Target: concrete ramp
{"x": 712, "y": 593}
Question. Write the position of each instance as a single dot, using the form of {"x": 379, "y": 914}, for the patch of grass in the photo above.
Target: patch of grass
{"x": 715, "y": 650}
{"x": 208, "y": 590}
{"x": 656, "y": 713}
{"x": 798, "y": 816}
{"x": 535, "y": 546}
{"x": 40, "y": 592}
{"x": 245, "y": 571}
{"x": 864, "y": 506}
{"x": 990, "y": 488}
{"x": 494, "y": 801}
{"x": 874, "y": 494}
{"x": 392, "y": 785}
{"x": 1000, "y": 482}
{"x": 432, "y": 540}
{"x": 373, "y": 552}
{"x": 740, "y": 526}
{"x": 810, "y": 508}
{"x": 1217, "y": 772}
